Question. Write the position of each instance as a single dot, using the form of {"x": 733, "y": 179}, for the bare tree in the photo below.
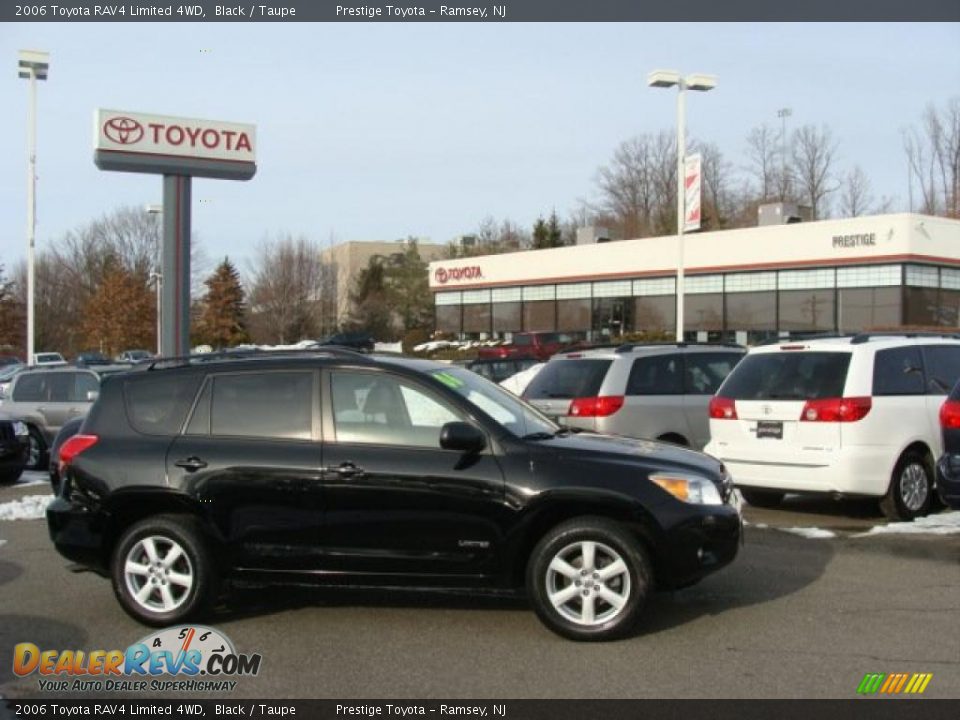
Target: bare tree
{"x": 762, "y": 156}
{"x": 855, "y": 194}
{"x": 718, "y": 199}
{"x": 933, "y": 159}
{"x": 813, "y": 154}
{"x": 285, "y": 291}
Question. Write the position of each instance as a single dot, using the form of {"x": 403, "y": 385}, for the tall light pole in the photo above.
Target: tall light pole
{"x": 783, "y": 114}
{"x": 157, "y": 278}
{"x": 665, "y": 79}
{"x": 33, "y": 65}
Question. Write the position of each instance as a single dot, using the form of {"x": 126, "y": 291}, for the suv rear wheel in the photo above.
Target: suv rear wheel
{"x": 911, "y": 488}
{"x": 162, "y": 570}
{"x": 762, "y": 498}
{"x": 588, "y": 579}
{"x": 37, "y": 452}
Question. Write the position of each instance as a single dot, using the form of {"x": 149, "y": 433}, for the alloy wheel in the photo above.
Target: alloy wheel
{"x": 158, "y": 574}
{"x": 588, "y": 583}
{"x": 914, "y": 487}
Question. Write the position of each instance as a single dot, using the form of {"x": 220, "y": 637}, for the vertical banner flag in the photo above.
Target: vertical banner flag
{"x": 691, "y": 184}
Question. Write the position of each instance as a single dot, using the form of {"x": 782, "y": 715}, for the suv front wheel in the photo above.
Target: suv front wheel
{"x": 588, "y": 579}
{"x": 911, "y": 489}
{"x": 162, "y": 571}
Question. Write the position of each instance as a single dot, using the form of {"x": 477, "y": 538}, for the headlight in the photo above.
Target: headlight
{"x": 20, "y": 428}
{"x": 689, "y": 488}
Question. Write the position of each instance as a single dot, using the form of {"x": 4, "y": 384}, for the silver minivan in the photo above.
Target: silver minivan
{"x": 656, "y": 391}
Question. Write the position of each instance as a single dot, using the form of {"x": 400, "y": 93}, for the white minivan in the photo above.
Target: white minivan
{"x": 847, "y": 416}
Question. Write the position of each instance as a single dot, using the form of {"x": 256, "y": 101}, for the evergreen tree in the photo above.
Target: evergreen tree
{"x": 120, "y": 313}
{"x": 223, "y": 321}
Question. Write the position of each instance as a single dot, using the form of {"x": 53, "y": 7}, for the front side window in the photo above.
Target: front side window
{"x": 383, "y": 410}
{"x": 271, "y": 405}
{"x": 30, "y": 388}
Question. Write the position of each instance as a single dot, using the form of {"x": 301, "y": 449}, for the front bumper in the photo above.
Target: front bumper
{"x": 948, "y": 480}
{"x": 78, "y": 534}
{"x": 698, "y": 541}
{"x": 13, "y": 455}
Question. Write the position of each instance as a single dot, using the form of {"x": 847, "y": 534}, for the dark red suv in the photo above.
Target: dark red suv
{"x": 539, "y": 345}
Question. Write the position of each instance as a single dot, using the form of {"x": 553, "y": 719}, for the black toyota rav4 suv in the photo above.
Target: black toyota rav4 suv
{"x": 346, "y": 469}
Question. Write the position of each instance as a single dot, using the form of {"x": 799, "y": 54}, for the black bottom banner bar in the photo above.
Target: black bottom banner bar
{"x": 858, "y": 709}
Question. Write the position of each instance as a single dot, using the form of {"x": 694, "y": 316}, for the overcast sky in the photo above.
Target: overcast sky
{"x": 379, "y": 131}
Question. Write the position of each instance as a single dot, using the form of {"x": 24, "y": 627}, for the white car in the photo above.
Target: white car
{"x": 852, "y": 416}
{"x": 48, "y": 359}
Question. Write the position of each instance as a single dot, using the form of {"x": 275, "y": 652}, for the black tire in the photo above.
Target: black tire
{"x": 196, "y": 560}
{"x": 10, "y": 476}
{"x": 37, "y": 455}
{"x": 634, "y": 583}
{"x": 911, "y": 488}
{"x": 762, "y": 498}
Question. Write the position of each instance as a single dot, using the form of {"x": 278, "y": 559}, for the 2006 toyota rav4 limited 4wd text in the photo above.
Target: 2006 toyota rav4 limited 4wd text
{"x": 847, "y": 416}
{"x": 347, "y": 469}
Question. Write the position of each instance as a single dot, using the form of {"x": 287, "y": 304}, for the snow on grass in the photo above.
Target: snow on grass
{"x": 31, "y": 507}
{"x": 945, "y": 523}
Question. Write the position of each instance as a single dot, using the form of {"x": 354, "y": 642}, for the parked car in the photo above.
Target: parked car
{"x": 91, "y": 359}
{"x": 48, "y": 359}
{"x": 948, "y": 466}
{"x": 852, "y": 416}
{"x": 539, "y": 345}
{"x": 47, "y": 398}
{"x": 349, "y": 469}
{"x": 14, "y": 448}
{"x": 659, "y": 391}
{"x": 134, "y": 356}
{"x": 7, "y": 373}
{"x": 499, "y": 369}
{"x": 362, "y": 341}
{"x": 7, "y": 360}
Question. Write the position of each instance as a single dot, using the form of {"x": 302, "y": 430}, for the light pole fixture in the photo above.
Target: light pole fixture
{"x": 783, "y": 114}
{"x": 157, "y": 278}
{"x": 666, "y": 79}
{"x": 32, "y": 65}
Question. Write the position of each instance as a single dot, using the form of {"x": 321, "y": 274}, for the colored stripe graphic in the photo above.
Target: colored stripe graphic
{"x": 894, "y": 683}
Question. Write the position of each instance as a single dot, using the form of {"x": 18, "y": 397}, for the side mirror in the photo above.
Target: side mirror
{"x": 463, "y": 437}
{"x": 92, "y": 395}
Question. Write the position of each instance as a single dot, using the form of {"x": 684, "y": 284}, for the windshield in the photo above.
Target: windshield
{"x": 520, "y": 419}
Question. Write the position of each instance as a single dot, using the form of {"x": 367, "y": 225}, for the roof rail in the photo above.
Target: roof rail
{"x": 256, "y": 353}
{"x": 630, "y": 347}
{"x": 817, "y": 336}
{"x": 864, "y": 337}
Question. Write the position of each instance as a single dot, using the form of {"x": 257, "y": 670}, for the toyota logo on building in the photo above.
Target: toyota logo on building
{"x": 123, "y": 130}
{"x": 469, "y": 272}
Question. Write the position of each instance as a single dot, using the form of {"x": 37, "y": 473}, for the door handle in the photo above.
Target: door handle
{"x": 191, "y": 464}
{"x": 346, "y": 470}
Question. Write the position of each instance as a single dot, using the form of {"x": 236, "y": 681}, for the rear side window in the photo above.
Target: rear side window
{"x": 656, "y": 375}
{"x": 898, "y": 372}
{"x": 84, "y": 383}
{"x": 942, "y": 363}
{"x": 568, "y": 379}
{"x": 158, "y": 404}
{"x": 263, "y": 405}
{"x": 706, "y": 371}
{"x": 788, "y": 375}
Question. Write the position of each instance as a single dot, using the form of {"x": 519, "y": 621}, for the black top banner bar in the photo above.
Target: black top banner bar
{"x": 479, "y": 11}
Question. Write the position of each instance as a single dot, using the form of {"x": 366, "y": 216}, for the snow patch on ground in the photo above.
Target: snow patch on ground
{"x": 945, "y": 523}
{"x": 33, "y": 477}
{"x": 31, "y": 507}
{"x": 812, "y": 533}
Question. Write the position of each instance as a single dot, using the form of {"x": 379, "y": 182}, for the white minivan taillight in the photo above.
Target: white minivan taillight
{"x": 836, "y": 409}
{"x": 723, "y": 408}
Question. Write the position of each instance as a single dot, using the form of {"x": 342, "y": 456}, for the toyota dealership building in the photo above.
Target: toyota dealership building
{"x": 746, "y": 285}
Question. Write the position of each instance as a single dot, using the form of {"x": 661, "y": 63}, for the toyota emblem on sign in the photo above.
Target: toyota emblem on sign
{"x": 123, "y": 130}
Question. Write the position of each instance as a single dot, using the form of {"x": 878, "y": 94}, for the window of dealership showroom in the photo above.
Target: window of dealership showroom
{"x": 883, "y": 279}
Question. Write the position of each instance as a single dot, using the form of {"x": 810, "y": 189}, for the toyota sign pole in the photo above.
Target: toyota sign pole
{"x": 179, "y": 149}
{"x": 33, "y": 65}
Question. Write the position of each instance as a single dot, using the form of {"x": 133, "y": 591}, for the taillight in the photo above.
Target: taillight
{"x": 836, "y": 409}
{"x": 602, "y": 406}
{"x": 73, "y": 447}
{"x": 950, "y": 415}
{"x": 723, "y": 408}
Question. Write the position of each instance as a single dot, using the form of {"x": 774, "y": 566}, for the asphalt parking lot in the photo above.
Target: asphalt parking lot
{"x": 793, "y": 617}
